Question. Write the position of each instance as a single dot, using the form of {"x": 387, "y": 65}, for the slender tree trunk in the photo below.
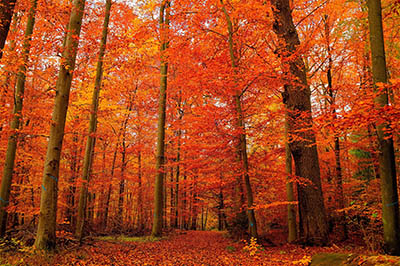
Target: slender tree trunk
{"x": 140, "y": 193}
{"x": 387, "y": 165}
{"x": 108, "y": 195}
{"x": 122, "y": 180}
{"x": 101, "y": 205}
{"x": 172, "y": 198}
{"x": 313, "y": 221}
{"x": 16, "y": 120}
{"x": 46, "y": 233}
{"x": 91, "y": 139}
{"x": 292, "y": 226}
{"x": 221, "y": 209}
{"x": 339, "y": 195}
{"x": 205, "y": 220}
{"x": 158, "y": 188}
{"x": 242, "y": 147}
{"x": 6, "y": 13}
{"x": 178, "y": 159}
{"x": 194, "y": 206}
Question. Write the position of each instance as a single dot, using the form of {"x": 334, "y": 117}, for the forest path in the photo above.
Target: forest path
{"x": 185, "y": 248}
{"x": 206, "y": 248}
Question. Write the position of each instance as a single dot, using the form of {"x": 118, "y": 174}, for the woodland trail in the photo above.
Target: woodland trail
{"x": 206, "y": 248}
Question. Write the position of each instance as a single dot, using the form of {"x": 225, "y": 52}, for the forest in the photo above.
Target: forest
{"x": 177, "y": 132}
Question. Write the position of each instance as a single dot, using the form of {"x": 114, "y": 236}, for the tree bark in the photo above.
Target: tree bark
{"x": 292, "y": 225}
{"x": 91, "y": 139}
{"x": 387, "y": 165}
{"x": 313, "y": 222}
{"x": 6, "y": 13}
{"x": 339, "y": 195}
{"x": 46, "y": 233}
{"x": 16, "y": 120}
{"x": 159, "y": 184}
{"x": 242, "y": 146}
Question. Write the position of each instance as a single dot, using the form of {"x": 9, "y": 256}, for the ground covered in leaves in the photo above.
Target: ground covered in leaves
{"x": 180, "y": 248}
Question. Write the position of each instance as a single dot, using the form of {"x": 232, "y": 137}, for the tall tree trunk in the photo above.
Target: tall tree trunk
{"x": 71, "y": 186}
{"x": 172, "y": 198}
{"x": 6, "y": 13}
{"x": 242, "y": 146}
{"x": 194, "y": 206}
{"x": 46, "y": 233}
{"x": 101, "y": 205}
{"x": 91, "y": 139}
{"x": 109, "y": 191}
{"x": 292, "y": 226}
{"x": 140, "y": 193}
{"x": 178, "y": 159}
{"x": 339, "y": 195}
{"x": 387, "y": 165}
{"x": 204, "y": 225}
{"x": 159, "y": 185}
{"x": 121, "y": 192}
{"x": 221, "y": 208}
{"x": 16, "y": 120}
{"x": 313, "y": 222}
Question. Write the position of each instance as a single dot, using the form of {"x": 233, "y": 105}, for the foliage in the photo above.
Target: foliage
{"x": 203, "y": 175}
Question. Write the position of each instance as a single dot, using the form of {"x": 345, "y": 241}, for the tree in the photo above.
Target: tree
{"x": 46, "y": 232}
{"x": 6, "y": 13}
{"x": 242, "y": 143}
{"x": 387, "y": 164}
{"x": 313, "y": 222}
{"x": 91, "y": 139}
{"x": 16, "y": 121}
{"x": 292, "y": 225}
{"x": 159, "y": 185}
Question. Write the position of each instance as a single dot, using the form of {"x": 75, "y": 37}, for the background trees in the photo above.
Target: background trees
{"x": 321, "y": 77}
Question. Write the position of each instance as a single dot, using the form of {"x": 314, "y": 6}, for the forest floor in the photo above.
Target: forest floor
{"x": 179, "y": 248}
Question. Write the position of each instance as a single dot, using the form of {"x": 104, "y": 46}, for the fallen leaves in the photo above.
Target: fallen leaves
{"x": 193, "y": 248}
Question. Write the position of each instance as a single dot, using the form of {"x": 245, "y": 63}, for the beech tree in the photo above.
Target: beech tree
{"x": 46, "y": 232}
{"x": 313, "y": 224}
{"x": 387, "y": 162}
{"x": 242, "y": 144}
{"x": 159, "y": 181}
{"x": 91, "y": 139}
{"x": 8, "y": 169}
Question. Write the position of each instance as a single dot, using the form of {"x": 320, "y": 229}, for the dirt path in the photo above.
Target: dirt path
{"x": 187, "y": 248}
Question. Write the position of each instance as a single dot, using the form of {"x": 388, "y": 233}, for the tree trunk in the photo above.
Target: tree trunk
{"x": 178, "y": 159}
{"x": 221, "y": 209}
{"x": 172, "y": 198}
{"x": 242, "y": 146}
{"x": 122, "y": 179}
{"x": 15, "y": 122}
{"x": 91, "y": 139}
{"x": 387, "y": 165}
{"x": 204, "y": 225}
{"x": 108, "y": 195}
{"x": 339, "y": 195}
{"x": 313, "y": 222}
{"x": 158, "y": 188}
{"x": 140, "y": 193}
{"x": 292, "y": 226}
{"x": 6, "y": 13}
{"x": 46, "y": 233}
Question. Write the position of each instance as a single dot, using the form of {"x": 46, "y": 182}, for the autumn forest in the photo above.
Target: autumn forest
{"x": 177, "y": 132}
